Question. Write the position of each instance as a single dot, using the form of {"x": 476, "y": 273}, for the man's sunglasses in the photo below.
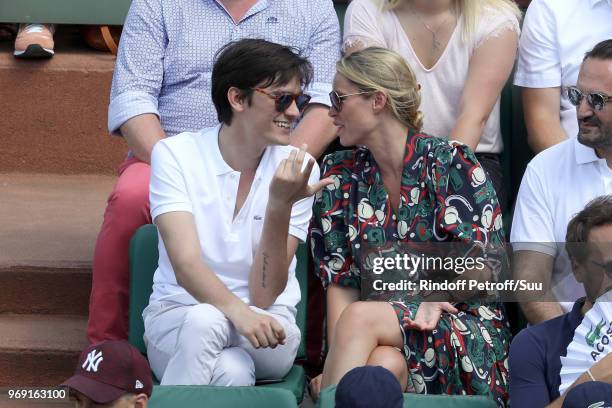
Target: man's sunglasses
{"x": 337, "y": 99}
{"x": 283, "y": 101}
{"x": 596, "y": 100}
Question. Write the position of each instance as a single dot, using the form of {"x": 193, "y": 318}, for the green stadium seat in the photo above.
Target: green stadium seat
{"x": 143, "y": 262}
{"x": 203, "y": 396}
{"x": 326, "y": 400}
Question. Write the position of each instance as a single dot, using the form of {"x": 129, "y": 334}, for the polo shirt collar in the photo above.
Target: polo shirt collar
{"x": 220, "y": 167}
{"x": 575, "y": 315}
{"x": 584, "y": 154}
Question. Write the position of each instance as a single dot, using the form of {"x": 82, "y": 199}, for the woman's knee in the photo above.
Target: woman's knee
{"x": 363, "y": 318}
{"x": 391, "y": 359}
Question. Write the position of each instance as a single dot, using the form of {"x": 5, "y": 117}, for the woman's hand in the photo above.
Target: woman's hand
{"x": 428, "y": 315}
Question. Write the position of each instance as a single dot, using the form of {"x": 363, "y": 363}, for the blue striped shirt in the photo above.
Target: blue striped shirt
{"x": 167, "y": 51}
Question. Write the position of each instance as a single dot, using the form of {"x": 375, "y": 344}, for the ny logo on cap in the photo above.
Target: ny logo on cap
{"x": 93, "y": 361}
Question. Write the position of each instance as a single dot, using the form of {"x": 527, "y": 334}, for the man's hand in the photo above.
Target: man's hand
{"x": 315, "y": 387}
{"x": 260, "y": 329}
{"x": 290, "y": 183}
{"x": 428, "y": 315}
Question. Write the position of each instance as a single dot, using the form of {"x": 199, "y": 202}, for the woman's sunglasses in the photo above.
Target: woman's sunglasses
{"x": 596, "y": 100}
{"x": 337, "y": 99}
{"x": 283, "y": 101}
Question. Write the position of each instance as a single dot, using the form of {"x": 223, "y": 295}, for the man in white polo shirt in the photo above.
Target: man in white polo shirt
{"x": 558, "y": 183}
{"x": 231, "y": 203}
{"x": 554, "y": 38}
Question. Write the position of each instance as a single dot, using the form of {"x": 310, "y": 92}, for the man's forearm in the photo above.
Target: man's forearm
{"x": 268, "y": 277}
{"x": 316, "y": 129}
{"x": 141, "y": 133}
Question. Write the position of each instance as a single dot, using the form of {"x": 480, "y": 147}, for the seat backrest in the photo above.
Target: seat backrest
{"x": 143, "y": 263}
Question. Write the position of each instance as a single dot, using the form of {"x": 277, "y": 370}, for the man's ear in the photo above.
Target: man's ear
{"x": 140, "y": 401}
{"x": 379, "y": 101}
{"x": 236, "y": 99}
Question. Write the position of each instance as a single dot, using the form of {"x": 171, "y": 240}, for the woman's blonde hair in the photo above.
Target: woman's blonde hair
{"x": 379, "y": 69}
{"x": 472, "y": 11}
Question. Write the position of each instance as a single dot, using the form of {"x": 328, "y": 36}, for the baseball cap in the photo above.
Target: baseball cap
{"x": 369, "y": 387}
{"x": 594, "y": 394}
{"x": 109, "y": 370}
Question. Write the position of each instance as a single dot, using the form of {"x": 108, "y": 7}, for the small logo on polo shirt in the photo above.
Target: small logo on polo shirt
{"x": 272, "y": 20}
{"x": 258, "y": 218}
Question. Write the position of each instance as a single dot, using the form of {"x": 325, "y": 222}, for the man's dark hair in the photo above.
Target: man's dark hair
{"x": 252, "y": 63}
{"x": 597, "y": 212}
{"x": 602, "y": 50}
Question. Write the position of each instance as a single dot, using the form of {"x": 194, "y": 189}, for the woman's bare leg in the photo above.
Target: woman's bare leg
{"x": 393, "y": 360}
{"x": 362, "y": 327}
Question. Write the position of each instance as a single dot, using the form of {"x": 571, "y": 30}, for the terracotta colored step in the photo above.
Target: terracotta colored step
{"x": 39, "y": 350}
{"x": 31, "y": 290}
{"x": 50, "y": 221}
{"x": 54, "y": 111}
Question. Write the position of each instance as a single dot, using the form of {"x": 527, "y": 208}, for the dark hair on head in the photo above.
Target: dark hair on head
{"x": 597, "y": 212}
{"x": 602, "y": 50}
{"x": 249, "y": 63}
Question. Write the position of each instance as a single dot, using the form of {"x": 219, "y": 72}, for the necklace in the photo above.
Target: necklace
{"x": 436, "y": 44}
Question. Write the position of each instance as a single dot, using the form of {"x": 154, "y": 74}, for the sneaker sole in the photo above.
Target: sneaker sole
{"x": 34, "y": 51}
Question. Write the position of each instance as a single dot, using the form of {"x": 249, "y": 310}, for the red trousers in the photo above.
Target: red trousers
{"x": 126, "y": 210}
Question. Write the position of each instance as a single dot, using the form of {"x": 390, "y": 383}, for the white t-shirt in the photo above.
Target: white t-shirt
{"x": 441, "y": 85}
{"x": 189, "y": 174}
{"x": 556, "y": 35}
{"x": 557, "y": 185}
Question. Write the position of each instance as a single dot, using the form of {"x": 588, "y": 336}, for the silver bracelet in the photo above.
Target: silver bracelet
{"x": 590, "y": 374}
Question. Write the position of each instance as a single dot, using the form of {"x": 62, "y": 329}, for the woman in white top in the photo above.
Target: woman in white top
{"x": 462, "y": 52}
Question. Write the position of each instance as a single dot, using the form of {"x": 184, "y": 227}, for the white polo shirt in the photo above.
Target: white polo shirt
{"x": 556, "y": 35}
{"x": 189, "y": 174}
{"x": 557, "y": 185}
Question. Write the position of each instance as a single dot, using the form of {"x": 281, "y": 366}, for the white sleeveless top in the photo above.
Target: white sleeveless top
{"x": 441, "y": 85}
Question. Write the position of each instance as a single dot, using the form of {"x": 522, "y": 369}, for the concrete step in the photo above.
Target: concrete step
{"x": 50, "y": 221}
{"x": 49, "y": 228}
{"x": 54, "y": 111}
{"x": 39, "y": 350}
{"x": 30, "y": 290}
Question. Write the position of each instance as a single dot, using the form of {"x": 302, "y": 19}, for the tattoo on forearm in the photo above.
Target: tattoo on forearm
{"x": 263, "y": 272}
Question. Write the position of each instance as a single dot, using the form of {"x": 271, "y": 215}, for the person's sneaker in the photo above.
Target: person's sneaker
{"x": 34, "y": 41}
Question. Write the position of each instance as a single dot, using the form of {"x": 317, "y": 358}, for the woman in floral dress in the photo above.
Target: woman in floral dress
{"x": 403, "y": 186}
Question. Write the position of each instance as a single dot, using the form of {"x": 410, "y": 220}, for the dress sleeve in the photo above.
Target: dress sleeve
{"x": 493, "y": 22}
{"x": 363, "y": 25}
{"x": 329, "y": 232}
{"x": 467, "y": 206}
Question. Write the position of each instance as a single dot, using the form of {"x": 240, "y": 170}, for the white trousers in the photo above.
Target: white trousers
{"x": 198, "y": 345}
